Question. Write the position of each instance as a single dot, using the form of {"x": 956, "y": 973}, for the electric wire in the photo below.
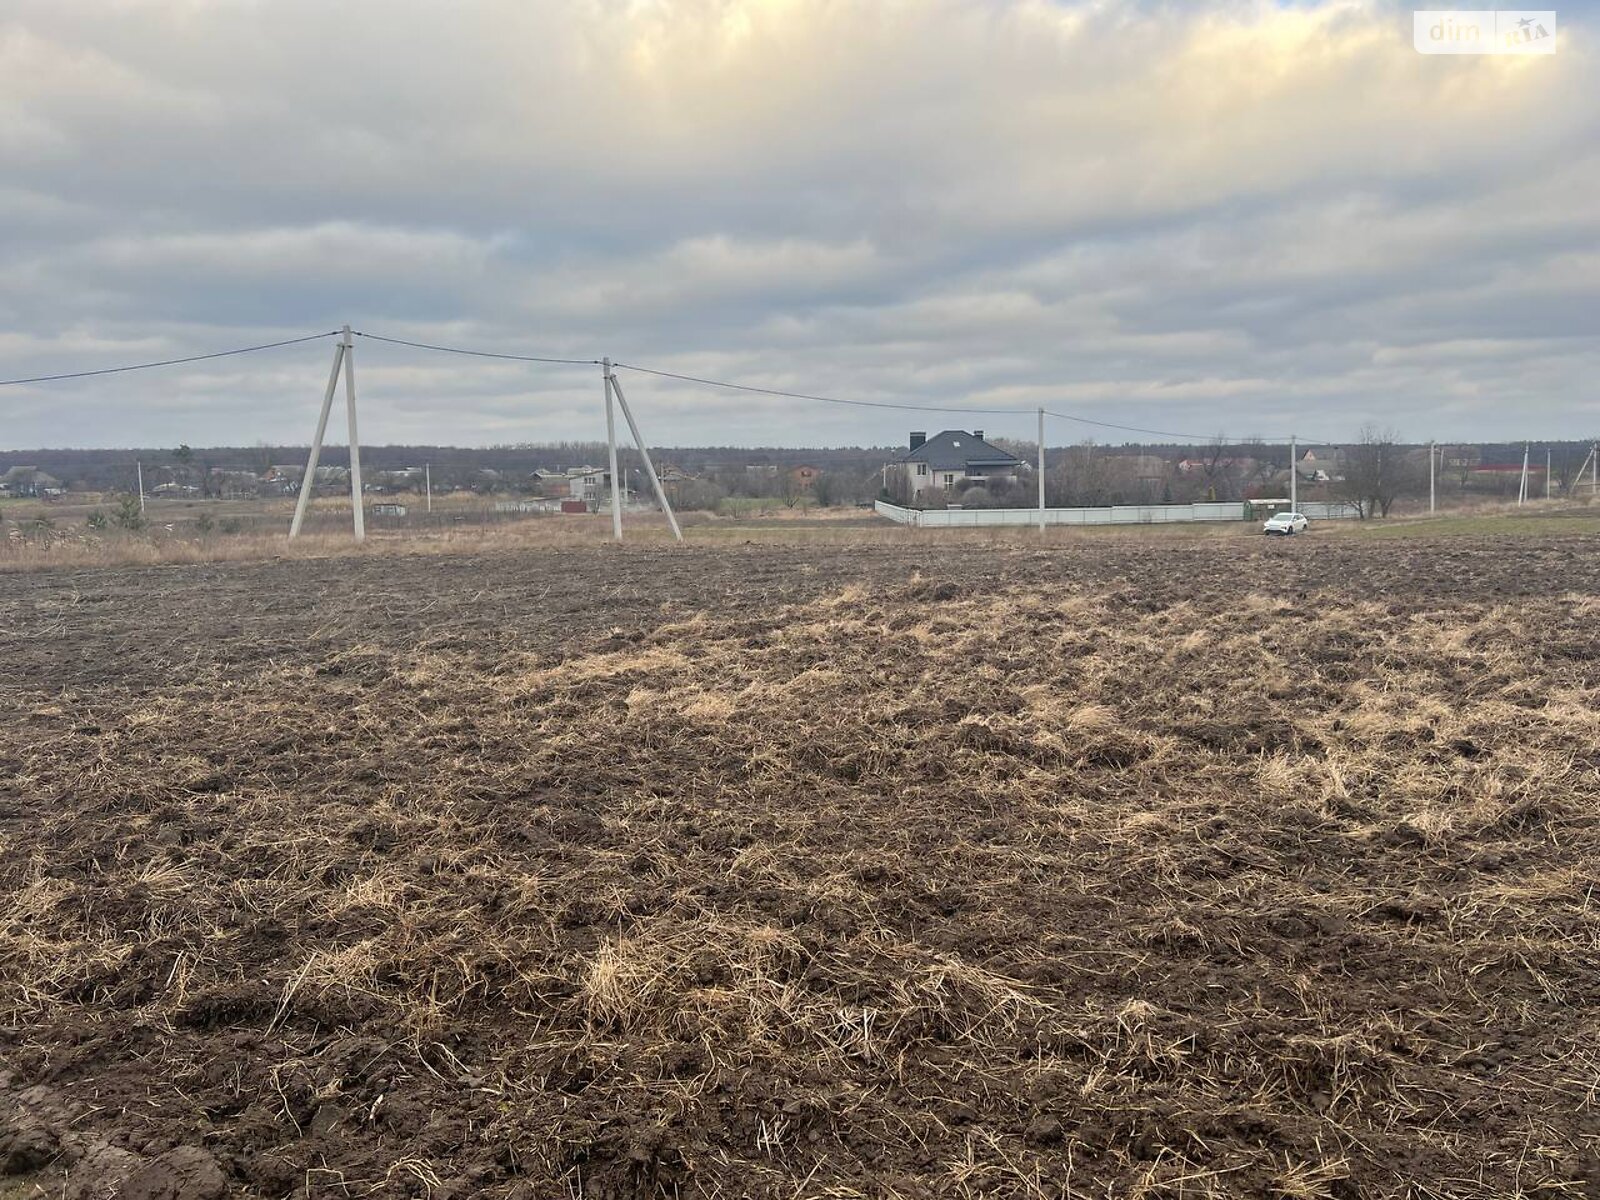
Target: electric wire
{"x": 1185, "y": 437}
{"x": 171, "y": 362}
{"x": 730, "y": 385}
{"x": 766, "y": 391}
{"x": 701, "y": 380}
{"x": 1028, "y": 412}
{"x": 574, "y": 362}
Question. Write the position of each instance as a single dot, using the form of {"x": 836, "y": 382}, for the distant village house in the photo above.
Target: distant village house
{"x": 553, "y": 485}
{"x": 590, "y": 484}
{"x": 803, "y": 478}
{"x": 955, "y": 458}
{"x": 1322, "y": 464}
{"x": 29, "y": 481}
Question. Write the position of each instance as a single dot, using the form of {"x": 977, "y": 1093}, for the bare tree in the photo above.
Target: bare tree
{"x": 1217, "y": 467}
{"x": 897, "y": 484}
{"x": 1377, "y": 471}
{"x": 1080, "y": 477}
{"x": 1262, "y": 468}
{"x": 261, "y": 456}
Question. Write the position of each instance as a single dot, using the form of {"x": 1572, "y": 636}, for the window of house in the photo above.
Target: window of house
{"x": 922, "y": 468}
{"x": 949, "y": 479}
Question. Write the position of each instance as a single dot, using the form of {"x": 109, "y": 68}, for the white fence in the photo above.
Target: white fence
{"x": 1331, "y": 510}
{"x": 1115, "y": 514}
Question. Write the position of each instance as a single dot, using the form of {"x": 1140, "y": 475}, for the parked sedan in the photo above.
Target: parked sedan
{"x": 1285, "y": 523}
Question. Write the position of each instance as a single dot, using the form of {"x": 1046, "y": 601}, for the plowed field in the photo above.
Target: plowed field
{"x": 1099, "y": 870}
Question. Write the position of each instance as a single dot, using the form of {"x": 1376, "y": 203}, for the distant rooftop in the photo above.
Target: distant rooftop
{"x": 956, "y": 449}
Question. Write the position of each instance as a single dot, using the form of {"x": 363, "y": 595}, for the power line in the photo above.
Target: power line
{"x": 746, "y": 387}
{"x": 1185, "y": 437}
{"x": 170, "y": 362}
{"x": 765, "y": 391}
{"x": 576, "y": 362}
{"x": 704, "y": 381}
{"x": 730, "y": 385}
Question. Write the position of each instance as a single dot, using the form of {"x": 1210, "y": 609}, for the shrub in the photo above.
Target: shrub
{"x": 128, "y": 515}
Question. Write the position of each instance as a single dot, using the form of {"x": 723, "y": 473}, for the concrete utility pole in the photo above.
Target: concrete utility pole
{"x": 1577, "y": 478}
{"x": 358, "y": 508}
{"x": 1294, "y": 478}
{"x": 427, "y": 483}
{"x": 1594, "y": 469}
{"x": 649, "y": 467}
{"x": 316, "y": 443}
{"x": 1431, "y": 505}
{"x": 1522, "y": 487}
{"x": 139, "y": 467}
{"x": 344, "y": 355}
{"x": 1547, "y": 464}
{"x": 1041, "y": 470}
{"x": 611, "y": 444}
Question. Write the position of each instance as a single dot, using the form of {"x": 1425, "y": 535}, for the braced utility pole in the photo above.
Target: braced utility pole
{"x": 344, "y": 355}
{"x": 644, "y": 453}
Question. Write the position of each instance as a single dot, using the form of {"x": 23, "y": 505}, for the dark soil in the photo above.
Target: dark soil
{"x": 1120, "y": 868}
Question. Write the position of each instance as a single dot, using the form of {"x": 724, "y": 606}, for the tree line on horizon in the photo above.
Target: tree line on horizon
{"x": 1377, "y": 468}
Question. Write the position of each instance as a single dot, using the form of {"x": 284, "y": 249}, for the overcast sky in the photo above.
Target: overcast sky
{"x": 1237, "y": 217}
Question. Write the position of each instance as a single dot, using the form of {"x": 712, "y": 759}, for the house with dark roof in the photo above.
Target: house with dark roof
{"x": 953, "y": 458}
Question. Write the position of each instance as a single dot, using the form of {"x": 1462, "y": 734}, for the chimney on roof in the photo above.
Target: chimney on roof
{"x": 978, "y": 433}
{"x": 917, "y": 438}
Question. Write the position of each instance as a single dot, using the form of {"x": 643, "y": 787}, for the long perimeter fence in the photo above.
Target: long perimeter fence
{"x": 1111, "y": 514}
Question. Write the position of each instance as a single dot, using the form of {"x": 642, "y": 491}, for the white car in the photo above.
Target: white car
{"x": 1285, "y": 523}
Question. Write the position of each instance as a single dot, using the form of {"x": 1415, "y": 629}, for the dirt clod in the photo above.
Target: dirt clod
{"x": 184, "y": 1173}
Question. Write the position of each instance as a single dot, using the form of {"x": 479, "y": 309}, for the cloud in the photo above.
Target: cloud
{"x": 1234, "y": 215}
